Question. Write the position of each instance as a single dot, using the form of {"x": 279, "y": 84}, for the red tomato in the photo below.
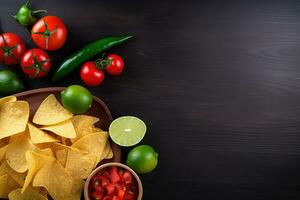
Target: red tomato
{"x": 12, "y": 48}
{"x": 35, "y": 63}
{"x": 116, "y": 65}
{"x": 49, "y": 33}
{"x": 90, "y": 74}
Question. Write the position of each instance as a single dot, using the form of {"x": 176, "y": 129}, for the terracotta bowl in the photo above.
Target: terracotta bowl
{"x": 101, "y": 167}
{"x": 98, "y": 109}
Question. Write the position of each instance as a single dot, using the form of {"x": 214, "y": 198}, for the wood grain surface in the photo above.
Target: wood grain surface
{"x": 217, "y": 83}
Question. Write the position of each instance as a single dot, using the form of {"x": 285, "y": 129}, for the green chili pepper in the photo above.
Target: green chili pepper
{"x": 25, "y": 16}
{"x": 86, "y": 53}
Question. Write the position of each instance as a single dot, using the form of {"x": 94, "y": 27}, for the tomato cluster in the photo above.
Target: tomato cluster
{"x": 48, "y": 33}
{"x": 92, "y": 73}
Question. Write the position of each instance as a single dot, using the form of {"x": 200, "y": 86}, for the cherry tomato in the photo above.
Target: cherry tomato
{"x": 35, "y": 63}
{"x": 90, "y": 74}
{"x": 49, "y": 33}
{"x": 12, "y": 48}
{"x": 116, "y": 65}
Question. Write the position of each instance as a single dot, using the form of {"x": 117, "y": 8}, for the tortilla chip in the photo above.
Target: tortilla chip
{"x": 24, "y": 134}
{"x": 7, "y": 184}
{"x": 64, "y": 129}
{"x": 3, "y": 152}
{"x": 83, "y": 125}
{"x": 51, "y": 112}
{"x": 80, "y": 164}
{"x": 17, "y": 177}
{"x": 93, "y": 143}
{"x": 28, "y": 194}
{"x": 13, "y": 118}
{"x": 4, "y": 142}
{"x": 7, "y": 99}
{"x": 61, "y": 156}
{"x": 109, "y": 155}
{"x": 38, "y": 136}
{"x": 36, "y": 160}
{"x": 107, "y": 151}
{"x": 15, "y": 154}
{"x": 76, "y": 191}
{"x": 54, "y": 177}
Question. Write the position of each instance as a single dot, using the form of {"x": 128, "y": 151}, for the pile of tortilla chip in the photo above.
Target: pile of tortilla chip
{"x": 52, "y": 155}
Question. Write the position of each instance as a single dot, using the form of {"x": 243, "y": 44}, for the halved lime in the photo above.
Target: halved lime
{"x": 127, "y": 130}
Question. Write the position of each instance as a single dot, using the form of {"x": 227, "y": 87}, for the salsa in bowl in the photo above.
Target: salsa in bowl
{"x": 113, "y": 181}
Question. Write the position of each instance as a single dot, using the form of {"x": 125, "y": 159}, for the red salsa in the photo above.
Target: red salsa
{"x": 113, "y": 183}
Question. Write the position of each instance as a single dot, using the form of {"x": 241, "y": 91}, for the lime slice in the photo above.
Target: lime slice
{"x": 127, "y": 130}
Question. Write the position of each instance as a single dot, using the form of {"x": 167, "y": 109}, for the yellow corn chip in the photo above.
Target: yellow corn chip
{"x": 7, "y": 184}
{"x": 17, "y": 177}
{"x": 36, "y": 160}
{"x": 28, "y": 194}
{"x": 60, "y": 186}
{"x": 83, "y": 125}
{"x": 3, "y": 152}
{"x": 51, "y": 112}
{"x": 80, "y": 164}
{"x": 93, "y": 143}
{"x": 64, "y": 129}
{"x": 7, "y": 99}
{"x": 15, "y": 154}
{"x": 13, "y": 118}
{"x": 61, "y": 156}
{"x": 38, "y": 136}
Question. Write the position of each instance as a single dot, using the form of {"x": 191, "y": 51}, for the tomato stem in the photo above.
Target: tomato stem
{"x": 27, "y": 3}
{"x": 37, "y": 66}
{"x": 47, "y": 33}
{"x": 39, "y": 11}
{"x": 102, "y": 63}
{"x": 8, "y": 51}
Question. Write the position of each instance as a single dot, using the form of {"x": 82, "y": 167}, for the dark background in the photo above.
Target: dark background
{"x": 217, "y": 83}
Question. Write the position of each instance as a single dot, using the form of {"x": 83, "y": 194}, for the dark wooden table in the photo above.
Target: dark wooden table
{"x": 218, "y": 84}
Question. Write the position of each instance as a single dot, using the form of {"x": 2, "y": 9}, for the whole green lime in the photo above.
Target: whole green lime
{"x": 142, "y": 159}
{"x": 76, "y": 99}
{"x": 10, "y": 83}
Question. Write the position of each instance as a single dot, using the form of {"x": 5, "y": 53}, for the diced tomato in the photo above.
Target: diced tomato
{"x": 129, "y": 197}
{"x": 110, "y": 188}
{"x": 102, "y": 180}
{"x": 121, "y": 171}
{"x": 113, "y": 184}
{"x": 114, "y": 176}
{"x": 121, "y": 193}
{"x": 127, "y": 177}
{"x": 116, "y": 198}
{"x": 97, "y": 195}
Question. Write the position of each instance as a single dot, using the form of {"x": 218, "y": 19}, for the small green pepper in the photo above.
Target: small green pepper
{"x": 86, "y": 53}
{"x": 25, "y": 16}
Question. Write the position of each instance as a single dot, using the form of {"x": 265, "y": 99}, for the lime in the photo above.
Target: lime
{"x": 10, "y": 83}
{"x": 127, "y": 131}
{"x": 76, "y": 99}
{"x": 142, "y": 159}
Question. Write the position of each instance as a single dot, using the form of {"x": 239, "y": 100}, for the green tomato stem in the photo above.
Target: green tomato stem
{"x": 39, "y": 11}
